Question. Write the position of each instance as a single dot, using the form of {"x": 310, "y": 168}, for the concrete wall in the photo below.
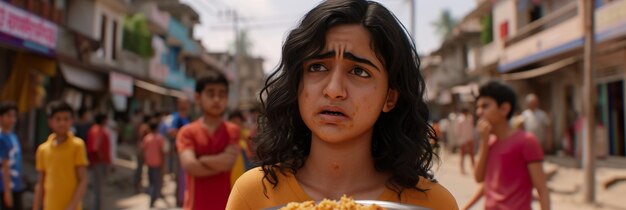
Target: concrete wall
{"x": 80, "y": 17}
{"x": 564, "y": 82}
{"x": 112, "y": 16}
{"x": 504, "y": 11}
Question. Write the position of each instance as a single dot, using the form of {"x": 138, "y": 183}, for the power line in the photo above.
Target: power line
{"x": 207, "y": 7}
{"x": 255, "y": 26}
{"x": 224, "y": 5}
{"x": 212, "y": 6}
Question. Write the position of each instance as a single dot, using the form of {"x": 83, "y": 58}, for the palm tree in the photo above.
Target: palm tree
{"x": 445, "y": 24}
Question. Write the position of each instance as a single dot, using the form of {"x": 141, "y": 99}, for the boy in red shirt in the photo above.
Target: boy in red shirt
{"x": 510, "y": 161}
{"x": 153, "y": 147}
{"x": 208, "y": 147}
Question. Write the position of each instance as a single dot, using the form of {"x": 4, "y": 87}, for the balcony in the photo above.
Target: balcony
{"x": 41, "y": 8}
{"x": 551, "y": 35}
{"x": 133, "y": 64}
{"x": 564, "y": 13}
{"x": 546, "y": 38}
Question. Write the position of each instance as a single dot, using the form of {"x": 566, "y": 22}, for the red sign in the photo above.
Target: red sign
{"x": 24, "y": 25}
{"x": 504, "y": 30}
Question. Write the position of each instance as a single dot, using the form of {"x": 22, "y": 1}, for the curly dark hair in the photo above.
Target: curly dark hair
{"x": 400, "y": 143}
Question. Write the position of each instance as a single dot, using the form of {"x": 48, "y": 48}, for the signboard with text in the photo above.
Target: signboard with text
{"x": 27, "y": 26}
{"x": 121, "y": 84}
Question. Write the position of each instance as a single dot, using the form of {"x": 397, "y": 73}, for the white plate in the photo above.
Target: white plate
{"x": 384, "y": 204}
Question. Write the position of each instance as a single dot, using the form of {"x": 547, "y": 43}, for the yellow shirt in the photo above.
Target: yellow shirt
{"x": 248, "y": 193}
{"x": 59, "y": 163}
{"x": 240, "y": 167}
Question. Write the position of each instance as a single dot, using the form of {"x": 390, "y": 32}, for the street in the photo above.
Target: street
{"x": 564, "y": 185}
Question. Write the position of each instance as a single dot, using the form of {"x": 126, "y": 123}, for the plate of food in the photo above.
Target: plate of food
{"x": 347, "y": 204}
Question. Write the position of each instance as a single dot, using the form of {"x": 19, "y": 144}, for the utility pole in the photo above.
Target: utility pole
{"x": 235, "y": 65}
{"x": 413, "y": 3}
{"x": 589, "y": 182}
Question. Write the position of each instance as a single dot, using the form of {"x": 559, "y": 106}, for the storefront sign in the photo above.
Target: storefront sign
{"x": 121, "y": 84}
{"x": 24, "y": 25}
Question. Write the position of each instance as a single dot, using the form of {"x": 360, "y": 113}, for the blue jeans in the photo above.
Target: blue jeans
{"x": 155, "y": 179}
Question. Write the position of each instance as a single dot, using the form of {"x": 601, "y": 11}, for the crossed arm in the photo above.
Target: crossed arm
{"x": 208, "y": 165}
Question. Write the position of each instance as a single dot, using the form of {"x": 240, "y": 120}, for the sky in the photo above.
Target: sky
{"x": 267, "y": 22}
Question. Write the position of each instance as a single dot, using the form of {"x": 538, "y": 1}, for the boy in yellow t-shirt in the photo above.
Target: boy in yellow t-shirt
{"x": 61, "y": 162}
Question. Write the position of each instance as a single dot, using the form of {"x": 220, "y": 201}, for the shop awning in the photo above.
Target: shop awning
{"x": 541, "y": 70}
{"x": 81, "y": 78}
{"x": 159, "y": 89}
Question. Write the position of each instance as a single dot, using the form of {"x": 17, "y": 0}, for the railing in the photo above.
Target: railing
{"x": 133, "y": 64}
{"x": 562, "y": 14}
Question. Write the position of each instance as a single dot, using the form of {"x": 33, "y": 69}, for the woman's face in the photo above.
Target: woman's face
{"x": 344, "y": 89}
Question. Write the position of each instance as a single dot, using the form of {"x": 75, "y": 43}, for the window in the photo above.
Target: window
{"x": 535, "y": 13}
{"x": 465, "y": 51}
{"x": 103, "y": 32}
{"x": 114, "y": 41}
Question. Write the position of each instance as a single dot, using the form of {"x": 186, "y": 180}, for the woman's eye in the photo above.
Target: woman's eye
{"x": 360, "y": 72}
{"x": 317, "y": 67}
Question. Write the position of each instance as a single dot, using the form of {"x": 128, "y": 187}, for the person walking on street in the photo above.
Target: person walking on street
{"x": 465, "y": 135}
{"x": 142, "y": 130}
{"x": 98, "y": 149}
{"x": 153, "y": 147}
{"x": 537, "y": 122}
{"x": 510, "y": 162}
{"x": 11, "y": 186}
{"x": 180, "y": 118}
{"x": 62, "y": 163}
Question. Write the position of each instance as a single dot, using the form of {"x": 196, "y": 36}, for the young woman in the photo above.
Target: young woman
{"x": 344, "y": 114}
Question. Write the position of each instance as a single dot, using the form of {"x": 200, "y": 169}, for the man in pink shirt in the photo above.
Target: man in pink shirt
{"x": 510, "y": 162}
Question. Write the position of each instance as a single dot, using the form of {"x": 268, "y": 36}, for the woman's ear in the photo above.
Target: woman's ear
{"x": 390, "y": 102}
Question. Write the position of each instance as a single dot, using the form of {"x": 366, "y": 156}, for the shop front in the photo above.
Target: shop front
{"x": 27, "y": 50}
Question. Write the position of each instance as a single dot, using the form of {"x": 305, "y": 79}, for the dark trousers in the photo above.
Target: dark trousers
{"x": 138, "y": 172}
{"x": 155, "y": 179}
{"x": 98, "y": 180}
{"x": 17, "y": 201}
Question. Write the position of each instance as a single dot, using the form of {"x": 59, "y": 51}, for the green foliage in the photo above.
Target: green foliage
{"x": 445, "y": 24}
{"x": 486, "y": 29}
{"x": 136, "y": 35}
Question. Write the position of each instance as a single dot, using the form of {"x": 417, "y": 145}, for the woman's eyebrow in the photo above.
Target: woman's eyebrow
{"x": 346, "y": 55}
